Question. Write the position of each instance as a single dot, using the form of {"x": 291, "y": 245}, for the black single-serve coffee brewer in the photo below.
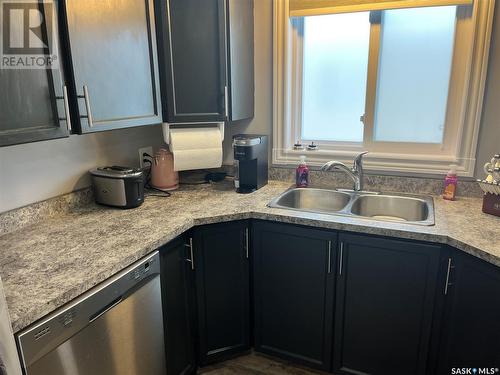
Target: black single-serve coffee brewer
{"x": 250, "y": 161}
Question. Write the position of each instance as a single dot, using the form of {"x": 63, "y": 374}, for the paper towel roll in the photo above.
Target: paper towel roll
{"x": 196, "y": 148}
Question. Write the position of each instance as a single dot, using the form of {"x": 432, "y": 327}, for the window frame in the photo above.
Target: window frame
{"x": 473, "y": 28}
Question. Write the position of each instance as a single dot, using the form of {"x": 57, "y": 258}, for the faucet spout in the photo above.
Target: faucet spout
{"x": 336, "y": 165}
{"x": 356, "y": 172}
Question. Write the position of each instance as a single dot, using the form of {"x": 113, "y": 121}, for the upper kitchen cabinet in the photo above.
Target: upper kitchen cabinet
{"x": 112, "y": 63}
{"x": 206, "y": 59}
{"x": 32, "y": 104}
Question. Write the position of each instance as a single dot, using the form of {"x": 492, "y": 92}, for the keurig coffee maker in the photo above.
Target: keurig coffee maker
{"x": 250, "y": 161}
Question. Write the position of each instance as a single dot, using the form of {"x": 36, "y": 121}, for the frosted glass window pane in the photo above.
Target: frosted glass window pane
{"x": 414, "y": 73}
{"x": 334, "y": 76}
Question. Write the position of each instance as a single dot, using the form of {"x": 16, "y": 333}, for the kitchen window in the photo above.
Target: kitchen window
{"x": 404, "y": 83}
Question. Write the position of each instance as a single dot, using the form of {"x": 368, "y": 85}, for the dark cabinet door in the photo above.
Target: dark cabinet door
{"x": 294, "y": 292}
{"x": 471, "y": 324}
{"x": 192, "y": 40}
{"x": 206, "y": 59}
{"x": 32, "y": 100}
{"x": 113, "y": 63}
{"x": 240, "y": 66}
{"x": 221, "y": 266}
{"x": 384, "y": 305}
{"x": 177, "y": 294}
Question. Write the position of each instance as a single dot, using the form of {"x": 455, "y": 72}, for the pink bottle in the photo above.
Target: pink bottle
{"x": 302, "y": 173}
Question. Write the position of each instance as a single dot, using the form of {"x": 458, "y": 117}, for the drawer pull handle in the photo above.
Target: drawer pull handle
{"x": 447, "y": 283}
{"x": 341, "y": 258}
{"x": 247, "y": 241}
{"x": 329, "y": 257}
{"x": 190, "y": 245}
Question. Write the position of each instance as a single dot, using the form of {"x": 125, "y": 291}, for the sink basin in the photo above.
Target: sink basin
{"x": 393, "y": 208}
{"x": 385, "y": 207}
{"x": 312, "y": 200}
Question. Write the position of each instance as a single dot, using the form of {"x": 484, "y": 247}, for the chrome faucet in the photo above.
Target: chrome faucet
{"x": 356, "y": 172}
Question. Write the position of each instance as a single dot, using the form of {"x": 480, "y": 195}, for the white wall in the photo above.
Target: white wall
{"x": 37, "y": 171}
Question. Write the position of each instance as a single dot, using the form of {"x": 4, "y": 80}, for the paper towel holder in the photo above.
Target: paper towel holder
{"x": 166, "y": 128}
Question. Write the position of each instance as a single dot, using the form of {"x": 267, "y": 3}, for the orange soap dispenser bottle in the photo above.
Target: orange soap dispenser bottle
{"x": 450, "y": 184}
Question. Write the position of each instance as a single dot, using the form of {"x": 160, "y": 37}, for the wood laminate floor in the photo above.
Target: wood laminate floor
{"x": 255, "y": 364}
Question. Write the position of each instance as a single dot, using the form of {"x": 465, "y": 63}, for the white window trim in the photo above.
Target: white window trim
{"x": 463, "y": 153}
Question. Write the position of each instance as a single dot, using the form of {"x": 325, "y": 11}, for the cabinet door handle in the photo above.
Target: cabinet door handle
{"x": 86, "y": 97}
{"x": 246, "y": 242}
{"x": 66, "y": 107}
{"x": 226, "y": 102}
{"x": 87, "y": 105}
{"x": 67, "y": 113}
{"x": 341, "y": 258}
{"x": 448, "y": 271}
{"x": 190, "y": 245}
{"x": 329, "y": 257}
{"x": 226, "y": 58}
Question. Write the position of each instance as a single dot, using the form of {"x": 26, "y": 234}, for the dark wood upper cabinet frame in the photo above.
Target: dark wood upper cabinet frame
{"x": 240, "y": 57}
{"x": 223, "y": 55}
{"x": 78, "y": 102}
{"x": 59, "y": 128}
{"x": 226, "y": 58}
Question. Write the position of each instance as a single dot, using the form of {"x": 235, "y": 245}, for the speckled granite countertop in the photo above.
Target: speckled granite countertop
{"x": 47, "y": 264}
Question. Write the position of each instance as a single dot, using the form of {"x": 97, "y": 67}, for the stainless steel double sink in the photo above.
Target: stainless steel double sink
{"x": 408, "y": 209}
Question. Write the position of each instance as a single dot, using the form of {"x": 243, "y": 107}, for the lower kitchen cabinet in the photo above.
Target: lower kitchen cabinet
{"x": 384, "y": 305}
{"x": 177, "y": 291}
{"x": 471, "y": 321}
{"x": 294, "y": 292}
{"x": 340, "y": 302}
{"x": 221, "y": 267}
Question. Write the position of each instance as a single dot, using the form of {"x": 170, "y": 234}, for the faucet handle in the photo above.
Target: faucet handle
{"x": 358, "y": 160}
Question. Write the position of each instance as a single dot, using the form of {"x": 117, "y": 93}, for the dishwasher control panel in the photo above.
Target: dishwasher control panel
{"x": 145, "y": 269}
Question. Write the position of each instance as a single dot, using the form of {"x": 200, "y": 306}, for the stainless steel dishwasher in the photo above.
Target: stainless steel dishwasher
{"x": 115, "y": 328}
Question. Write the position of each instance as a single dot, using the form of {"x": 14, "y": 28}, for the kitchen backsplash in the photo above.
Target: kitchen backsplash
{"x": 33, "y": 213}
{"x": 410, "y": 185}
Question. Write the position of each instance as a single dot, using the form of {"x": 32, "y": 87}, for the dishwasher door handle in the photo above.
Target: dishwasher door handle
{"x": 105, "y": 309}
